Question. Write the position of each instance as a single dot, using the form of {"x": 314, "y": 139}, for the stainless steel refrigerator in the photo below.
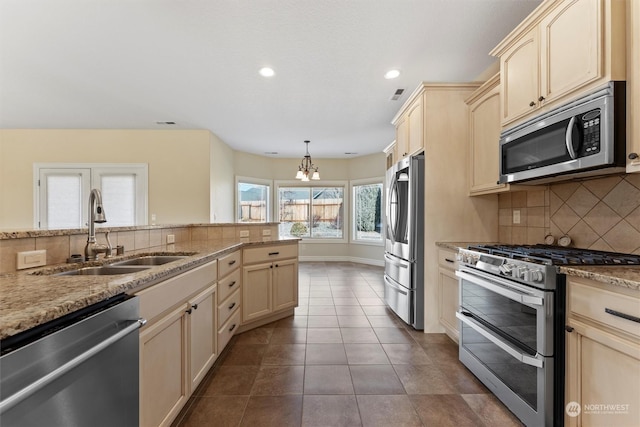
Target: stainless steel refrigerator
{"x": 404, "y": 240}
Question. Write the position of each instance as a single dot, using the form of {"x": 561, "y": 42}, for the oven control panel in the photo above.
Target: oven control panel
{"x": 519, "y": 270}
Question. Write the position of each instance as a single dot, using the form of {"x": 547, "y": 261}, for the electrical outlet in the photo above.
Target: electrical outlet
{"x": 244, "y": 233}
{"x": 30, "y": 259}
{"x": 516, "y": 216}
{"x": 266, "y": 232}
{"x": 171, "y": 238}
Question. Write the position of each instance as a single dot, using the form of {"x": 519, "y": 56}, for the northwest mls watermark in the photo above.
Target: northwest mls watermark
{"x": 574, "y": 409}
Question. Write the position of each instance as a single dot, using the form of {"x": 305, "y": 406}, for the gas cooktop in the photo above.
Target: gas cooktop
{"x": 558, "y": 255}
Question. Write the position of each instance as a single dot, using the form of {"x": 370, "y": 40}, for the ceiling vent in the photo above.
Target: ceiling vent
{"x": 397, "y": 94}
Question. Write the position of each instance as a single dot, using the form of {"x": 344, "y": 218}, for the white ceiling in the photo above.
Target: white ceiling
{"x": 130, "y": 63}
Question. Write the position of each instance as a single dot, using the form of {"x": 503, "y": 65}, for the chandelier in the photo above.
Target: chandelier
{"x": 306, "y": 167}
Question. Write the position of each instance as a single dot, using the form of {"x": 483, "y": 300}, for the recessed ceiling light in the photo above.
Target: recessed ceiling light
{"x": 165, "y": 123}
{"x": 391, "y": 74}
{"x": 350, "y": 152}
{"x": 271, "y": 152}
{"x": 267, "y": 72}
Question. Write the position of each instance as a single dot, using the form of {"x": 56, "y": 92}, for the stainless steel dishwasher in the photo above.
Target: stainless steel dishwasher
{"x": 78, "y": 370}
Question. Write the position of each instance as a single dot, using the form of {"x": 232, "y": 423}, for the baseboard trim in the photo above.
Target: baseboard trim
{"x": 368, "y": 261}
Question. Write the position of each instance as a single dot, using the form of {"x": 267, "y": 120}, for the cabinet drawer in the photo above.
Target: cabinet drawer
{"x": 228, "y": 263}
{"x": 270, "y": 253}
{"x": 448, "y": 259}
{"x": 593, "y": 303}
{"x": 227, "y": 330}
{"x": 161, "y": 297}
{"x": 229, "y": 284}
{"x": 228, "y": 306}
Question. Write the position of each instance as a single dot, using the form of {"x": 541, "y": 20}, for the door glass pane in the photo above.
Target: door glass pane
{"x": 252, "y": 202}
{"x": 119, "y": 199}
{"x": 64, "y": 201}
{"x": 293, "y": 211}
{"x": 368, "y": 212}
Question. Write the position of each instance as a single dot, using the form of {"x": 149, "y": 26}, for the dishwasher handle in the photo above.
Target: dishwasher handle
{"x": 32, "y": 388}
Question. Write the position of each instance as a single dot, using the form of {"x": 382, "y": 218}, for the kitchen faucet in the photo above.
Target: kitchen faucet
{"x": 96, "y": 214}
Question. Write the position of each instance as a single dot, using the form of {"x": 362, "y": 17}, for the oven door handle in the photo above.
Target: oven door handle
{"x": 506, "y": 290}
{"x": 524, "y": 358}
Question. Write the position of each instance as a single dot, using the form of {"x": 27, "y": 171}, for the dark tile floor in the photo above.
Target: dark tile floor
{"x": 344, "y": 359}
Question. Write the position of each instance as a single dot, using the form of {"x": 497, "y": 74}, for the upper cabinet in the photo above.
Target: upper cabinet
{"x": 484, "y": 138}
{"x": 633, "y": 87}
{"x": 561, "y": 50}
{"x": 410, "y": 126}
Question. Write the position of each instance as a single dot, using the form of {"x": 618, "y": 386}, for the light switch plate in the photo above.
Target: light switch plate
{"x": 171, "y": 238}
{"x": 31, "y": 259}
{"x": 244, "y": 233}
{"x": 516, "y": 216}
{"x": 266, "y": 232}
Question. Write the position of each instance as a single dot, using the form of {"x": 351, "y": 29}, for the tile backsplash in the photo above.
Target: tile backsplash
{"x": 602, "y": 214}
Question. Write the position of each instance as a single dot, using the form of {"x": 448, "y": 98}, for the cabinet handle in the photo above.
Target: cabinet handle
{"x": 271, "y": 266}
{"x": 622, "y": 315}
{"x": 541, "y": 98}
{"x": 568, "y": 328}
{"x": 188, "y": 311}
{"x": 274, "y": 253}
{"x": 532, "y": 104}
{"x": 449, "y": 260}
{"x": 232, "y": 283}
{"x": 194, "y": 306}
{"x": 276, "y": 265}
{"x": 232, "y": 328}
{"x": 232, "y": 262}
{"x": 633, "y": 156}
{"x": 232, "y": 305}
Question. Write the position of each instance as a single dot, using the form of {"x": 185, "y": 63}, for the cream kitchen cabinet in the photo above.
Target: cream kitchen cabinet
{"x": 410, "y": 126}
{"x": 229, "y": 297}
{"x": 178, "y": 343}
{"x": 269, "y": 282}
{"x": 484, "y": 139}
{"x": 560, "y": 51}
{"x": 389, "y": 153}
{"x": 603, "y": 354}
{"x": 448, "y": 300}
{"x": 633, "y": 87}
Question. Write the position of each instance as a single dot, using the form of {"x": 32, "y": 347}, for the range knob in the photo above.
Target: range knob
{"x": 522, "y": 273}
{"x": 536, "y": 276}
{"x": 507, "y": 269}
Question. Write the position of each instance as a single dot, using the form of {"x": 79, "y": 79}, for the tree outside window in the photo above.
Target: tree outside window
{"x": 367, "y": 202}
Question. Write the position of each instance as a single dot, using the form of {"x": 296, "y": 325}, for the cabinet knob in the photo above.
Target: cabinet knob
{"x": 194, "y": 306}
{"x": 188, "y": 311}
{"x": 532, "y": 104}
{"x": 633, "y": 156}
{"x": 541, "y": 98}
{"x": 568, "y": 328}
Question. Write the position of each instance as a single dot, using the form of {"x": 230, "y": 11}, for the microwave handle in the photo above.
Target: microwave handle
{"x": 568, "y": 139}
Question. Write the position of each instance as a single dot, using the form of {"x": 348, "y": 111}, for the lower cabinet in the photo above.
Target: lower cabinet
{"x": 269, "y": 281}
{"x": 163, "y": 369}
{"x": 178, "y": 343}
{"x": 448, "y": 300}
{"x": 202, "y": 334}
{"x": 603, "y": 355}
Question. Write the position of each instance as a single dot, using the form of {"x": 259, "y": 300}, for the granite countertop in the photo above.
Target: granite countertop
{"x": 31, "y": 298}
{"x": 625, "y": 276}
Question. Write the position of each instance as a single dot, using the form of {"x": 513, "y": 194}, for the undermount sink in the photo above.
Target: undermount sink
{"x": 105, "y": 270}
{"x": 150, "y": 260}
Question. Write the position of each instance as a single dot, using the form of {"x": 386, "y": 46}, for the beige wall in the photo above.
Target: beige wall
{"x": 222, "y": 183}
{"x": 178, "y": 167}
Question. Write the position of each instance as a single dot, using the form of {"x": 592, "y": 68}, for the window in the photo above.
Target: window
{"x": 367, "y": 211}
{"x": 62, "y": 194}
{"x": 311, "y": 212}
{"x": 252, "y": 200}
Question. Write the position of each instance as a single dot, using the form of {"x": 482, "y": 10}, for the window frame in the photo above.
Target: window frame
{"x": 317, "y": 184}
{"x": 367, "y": 181}
{"x": 95, "y": 171}
{"x": 256, "y": 181}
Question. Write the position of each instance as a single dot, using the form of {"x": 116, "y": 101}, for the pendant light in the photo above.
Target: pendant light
{"x": 307, "y": 167}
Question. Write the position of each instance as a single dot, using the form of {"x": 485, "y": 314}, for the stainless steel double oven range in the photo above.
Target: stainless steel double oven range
{"x": 512, "y": 318}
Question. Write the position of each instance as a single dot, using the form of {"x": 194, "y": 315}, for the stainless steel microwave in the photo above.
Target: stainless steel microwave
{"x": 583, "y": 138}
